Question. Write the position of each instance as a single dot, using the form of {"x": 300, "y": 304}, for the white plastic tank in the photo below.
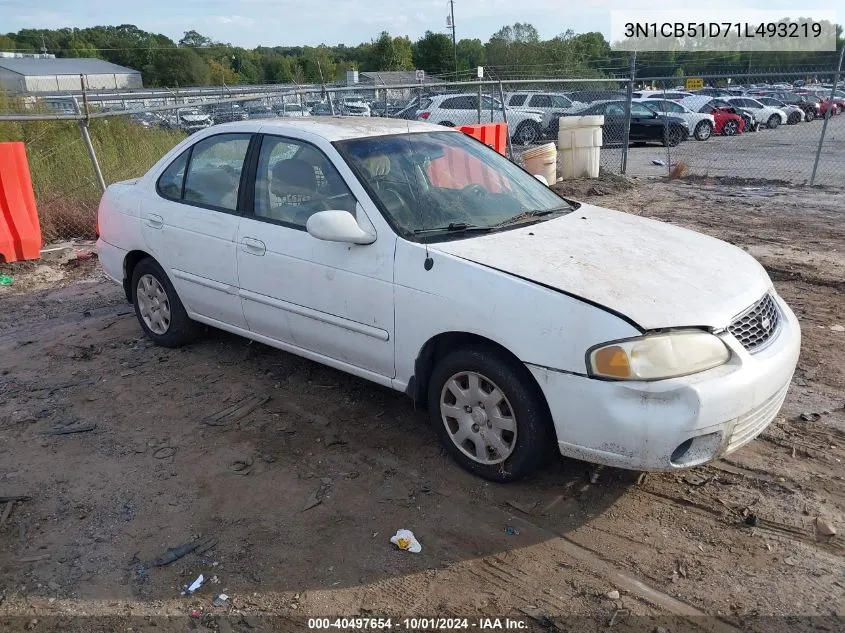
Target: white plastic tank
{"x": 579, "y": 142}
{"x": 542, "y": 161}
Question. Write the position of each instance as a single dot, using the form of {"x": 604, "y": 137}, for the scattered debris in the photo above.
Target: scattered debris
{"x": 196, "y": 614}
{"x": 525, "y": 508}
{"x": 405, "y": 539}
{"x": 751, "y": 519}
{"x": 618, "y": 616}
{"x": 6, "y": 512}
{"x": 594, "y": 475}
{"x": 313, "y": 500}
{"x": 612, "y": 595}
{"x": 35, "y": 559}
{"x": 538, "y": 615}
{"x": 837, "y": 328}
{"x": 6, "y": 280}
{"x": 220, "y": 600}
{"x": 810, "y": 417}
{"x": 242, "y": 466}
{"x": 696, "y": 480}
{"x": 511, "y": 531}
{"x": 658, "y": 161}
{"x": 641, "y": 478}
{"x": 71, "y": 428}
{"x": 164, "y": 452}
{"x": 790, "y": 561}
{"x": 823, "y": 527}
{"x": 199, "y": 545}
{"x": 237, "y": 411}
{"x": 5, "y": 498}
{"x": 127, "y": 373}
{"x": 189, "y": 589}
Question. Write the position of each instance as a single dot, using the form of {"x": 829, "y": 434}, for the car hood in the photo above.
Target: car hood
{"x": 655, "y": 274}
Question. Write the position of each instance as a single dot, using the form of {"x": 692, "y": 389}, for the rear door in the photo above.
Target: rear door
{"x": 190, "y": 227}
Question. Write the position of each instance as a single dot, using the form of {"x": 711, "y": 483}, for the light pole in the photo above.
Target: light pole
{"x": 450, "y": 22}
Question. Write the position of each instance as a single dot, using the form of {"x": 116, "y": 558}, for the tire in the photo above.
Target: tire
{"x": 447, "y": 124}
{"x": 703, "y": 131}
{"x": 672, "y": 137}
{"x": 811, "y": 115}
{"x": 519, "y": 451}
{"x": 773, "y": 121}
{"x": 794, "y": 118}
{"x": 527, "y": 133}
{"x": 730, "y": 128}
{"x": 159, "y": 309}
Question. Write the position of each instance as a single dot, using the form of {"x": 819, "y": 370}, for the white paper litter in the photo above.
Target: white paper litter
{"x": 194, "y": 585}
{"x": 405, "y": 539}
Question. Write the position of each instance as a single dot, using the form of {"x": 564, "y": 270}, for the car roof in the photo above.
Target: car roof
{"x": 343, "y": 128}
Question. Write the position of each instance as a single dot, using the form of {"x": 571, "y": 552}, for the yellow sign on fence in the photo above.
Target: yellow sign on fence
{"x": 694, "y": 83}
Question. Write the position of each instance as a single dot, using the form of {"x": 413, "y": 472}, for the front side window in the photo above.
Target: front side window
{"x": 171, "y": 180}
{"x": 559, "y": 101}
{"x": 294, "y": 180}
{"x": 488, "y": 103}
{"x": 214, "y": 172}
{"x": 517, "y": 100}
{"x": 437, "y": 185}
{"x": 616, "y": 109}
{"x": 638, "y": 109}
{"x": 460, "y": 103}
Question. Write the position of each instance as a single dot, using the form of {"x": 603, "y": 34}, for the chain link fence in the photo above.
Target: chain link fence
{"x": 760, "y": 127}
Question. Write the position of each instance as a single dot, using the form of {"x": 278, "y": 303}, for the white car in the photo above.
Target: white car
{"x": 452, "y": 110}
{"x": 794, "y": 114}
{"x": 766, "y": 115}
{"x": 673, "y": 95}
{"x": 356, "y": 108}
{"x": 701, "y": 125}
{"x": 418, "y": 258}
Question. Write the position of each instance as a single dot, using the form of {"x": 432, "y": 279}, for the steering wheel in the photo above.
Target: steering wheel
{"x": 397, "y": 205}
{"x": 475, "y": 190}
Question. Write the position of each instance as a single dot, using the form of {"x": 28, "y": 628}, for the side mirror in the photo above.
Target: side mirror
{"x": 337, "y": 226}
{"x": 542, "y": 179}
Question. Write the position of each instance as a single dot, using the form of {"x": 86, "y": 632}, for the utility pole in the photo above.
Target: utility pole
{"x": 450, "y": 22}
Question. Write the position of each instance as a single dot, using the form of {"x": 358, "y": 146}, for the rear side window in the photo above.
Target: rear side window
{"x": 170, "y": 181}
{"x": 460, "y": 103}
{"x": 517, "y": 100}
{"x": 214, "y": 173}
{"x": 541, "y": 101}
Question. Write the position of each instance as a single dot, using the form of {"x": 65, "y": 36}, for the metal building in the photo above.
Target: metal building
{"x": 39, "y": 74}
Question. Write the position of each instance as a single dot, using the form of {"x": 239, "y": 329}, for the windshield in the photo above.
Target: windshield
{"x": 442, "y": 184}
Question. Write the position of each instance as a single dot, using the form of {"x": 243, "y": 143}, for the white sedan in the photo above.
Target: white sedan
{"x": 766, "y": 115}
{"x": 418, "y": 258}
{"x": 701, "y": 125}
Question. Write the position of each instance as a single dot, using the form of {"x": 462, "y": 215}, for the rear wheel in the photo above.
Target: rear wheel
{"x": 158, "y": 308}
{"x": 811, "y": 115}
{"x": 488, "y": 414}
{"x": 703, "y": 131}
{"x": 773, "y": 122}
{"x": 731, "y": 128}
{"x": 794, "y": 117}
{"x": 672, "y": 137}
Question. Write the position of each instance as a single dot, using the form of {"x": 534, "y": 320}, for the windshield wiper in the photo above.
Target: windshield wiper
{"x": 528, "y": 215}
{"x": 454, "y": 227}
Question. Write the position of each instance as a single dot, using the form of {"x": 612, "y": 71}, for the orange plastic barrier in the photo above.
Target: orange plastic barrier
{"x": 493, "y": 134}
{"x": 20, "y": 233}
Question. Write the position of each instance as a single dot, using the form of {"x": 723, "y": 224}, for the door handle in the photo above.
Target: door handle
{"x": 252, "y": 246}
{"x": 154, "y": 221}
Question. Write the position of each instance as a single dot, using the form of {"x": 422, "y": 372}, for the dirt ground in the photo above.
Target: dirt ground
{"x": 300, "y": 497}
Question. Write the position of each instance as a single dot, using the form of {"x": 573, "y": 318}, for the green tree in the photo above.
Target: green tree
{"x": 434, "y": 53}
{"x": 391, "y": 53}
{"x": 470, "y": 54}
{"x": 194, "y": 40}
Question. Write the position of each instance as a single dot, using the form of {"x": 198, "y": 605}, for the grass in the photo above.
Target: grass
{"x": 66, "y": 190}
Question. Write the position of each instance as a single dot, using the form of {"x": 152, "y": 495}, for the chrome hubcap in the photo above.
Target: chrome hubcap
{"x": 153, "y": 304}
{"x": 478, "y": 418}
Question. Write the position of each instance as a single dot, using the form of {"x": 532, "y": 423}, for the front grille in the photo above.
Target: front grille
{"x": 757, "y": 325}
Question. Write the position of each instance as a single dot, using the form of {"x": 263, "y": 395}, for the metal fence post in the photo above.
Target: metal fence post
{"x": 86, "y": 137}
{"x": 827, "y": 116}
{"x": 666, "y": 133}
{"x": 505, "y": 119}
{"x": 479, "y": 103}
{"x": 628, "y": 96}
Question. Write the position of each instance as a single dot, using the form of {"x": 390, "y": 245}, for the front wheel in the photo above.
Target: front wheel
{"x": 811, "y": 115}
{"x": 794, "y": 118}
{"x": 158, "y": 308}
{"x": 731, "y": 128}
{"x": 672, "y": 137}
{"x": 773, "y": 122}
{"x": 703, "y": 131}
{"x": 488, "y": 414}
{"x": 527, "y": 133}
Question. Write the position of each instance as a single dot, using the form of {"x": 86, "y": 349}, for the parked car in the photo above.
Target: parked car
{"x": 291, "y": 110}
{"x": 193, "y": 121}
{"x": 811, "y": 107}
{"x": 462, "y": 109}
{"x": 321, "y": 108}
{"x": 548, "y": 103}
{"x": 702, "y": 125}
{"x": 646, "y": 125}
{"x": 751, "y": 122}
{"x": 711, "y": 92}
{"x": 355, "y": 108}
{"x": 259, "y": 111}
{"x": 673, "y": 95}
{"x": 794, "y": 113}
{"x": 228, "y": 113}
{"x": 727, "y": 120}
{"x": 503, "y": 307}
{"x": 591, "y": 96}
{"x": 768, "y": 116}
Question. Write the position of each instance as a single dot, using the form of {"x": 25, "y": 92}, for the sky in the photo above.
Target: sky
{"x": 251, "y": 23}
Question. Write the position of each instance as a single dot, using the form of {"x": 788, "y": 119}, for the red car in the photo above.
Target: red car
{"x": 728, "y": 121}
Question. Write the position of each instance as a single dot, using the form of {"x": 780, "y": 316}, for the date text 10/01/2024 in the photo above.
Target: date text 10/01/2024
{"x": 418, "y": 624}
{"x": 714, "y": 30}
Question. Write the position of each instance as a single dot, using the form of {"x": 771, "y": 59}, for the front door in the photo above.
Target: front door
{"x": 191, "y": 225}
{"x": 328, "y": 298}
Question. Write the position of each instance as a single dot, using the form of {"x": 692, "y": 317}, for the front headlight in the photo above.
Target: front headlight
{"x": 658, "y": 356}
